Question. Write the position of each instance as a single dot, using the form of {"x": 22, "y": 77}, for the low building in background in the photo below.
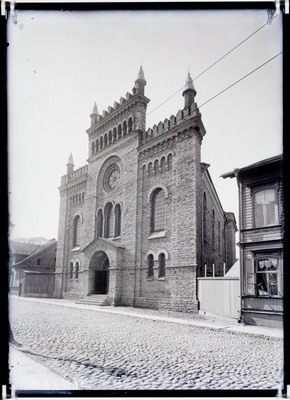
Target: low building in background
{"x": 32, "y": 268}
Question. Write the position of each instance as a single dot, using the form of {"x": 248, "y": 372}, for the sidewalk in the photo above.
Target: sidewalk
{"x": 25, "y": 373}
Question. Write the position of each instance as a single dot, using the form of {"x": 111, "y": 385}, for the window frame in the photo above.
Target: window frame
{"x": 153, "y": 229}
{"x": 255, "y": 191}
{"x": 252, "y": 281}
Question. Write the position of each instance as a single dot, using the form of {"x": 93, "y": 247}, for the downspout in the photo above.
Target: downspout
{"x": 240, "y": 241}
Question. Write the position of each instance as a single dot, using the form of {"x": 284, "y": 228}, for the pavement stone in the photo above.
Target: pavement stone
{"x": 112, "y": 349}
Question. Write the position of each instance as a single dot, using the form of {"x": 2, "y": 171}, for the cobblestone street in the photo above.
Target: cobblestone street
{"x": 98, "y": 350}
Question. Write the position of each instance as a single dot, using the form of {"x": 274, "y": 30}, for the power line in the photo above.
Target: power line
{"x": 204, "y": 71}
{"x": 239, "y": 80}
{"x": 212, "y": 65}
{"x": 212, "y": 98}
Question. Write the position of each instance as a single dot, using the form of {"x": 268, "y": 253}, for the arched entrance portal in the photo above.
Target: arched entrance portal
{"x": 99, "y": 267}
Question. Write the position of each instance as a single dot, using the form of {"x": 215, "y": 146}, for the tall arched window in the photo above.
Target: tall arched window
{"x": 150, "y": 266}
{"x": 125, "y": 128}
{"x": 213, "y": 229}
{"x": 204, "y": 216}
{"x": 169, "y": 161}
{"x": 77, "y": 270}
{"x": 130, "y": 125}
{"x": 110, "y": 136}
{"x": 109, "y": 221}
{"x": 119, "y": 131}
{"x": 76, "y": 231}
{"x": 100, "y": 223}
{"x": 93, "y": 147}
{"x": 117, "y": 220}
{"x": 97, "y": 145}
{"x": 219, "y": 237}
{"x": 101, "y": 142}
{"x": 115, "y": 133}
{"x": 158, "y": 211}
{"x": 161, "y": 268}
{"x": 106, "y": 139}
{"x": 71, "y": 270}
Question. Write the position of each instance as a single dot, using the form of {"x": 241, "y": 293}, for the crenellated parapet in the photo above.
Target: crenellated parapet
{"x": 172, "y": 129}
{"x": 76, "y": 175}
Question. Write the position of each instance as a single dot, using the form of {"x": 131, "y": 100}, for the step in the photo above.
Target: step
{"x": 94, "y": 299}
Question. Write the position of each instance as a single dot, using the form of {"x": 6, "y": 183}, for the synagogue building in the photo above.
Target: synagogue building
{"x": 142, "y": 220}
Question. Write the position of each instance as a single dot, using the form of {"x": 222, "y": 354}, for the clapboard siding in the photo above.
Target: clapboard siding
{"x": 220, "y": 296}
{"x": 247, "y": 211}
{"x": 264, "y": 304}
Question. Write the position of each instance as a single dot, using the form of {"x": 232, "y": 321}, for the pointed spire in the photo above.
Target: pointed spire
{"x": 141, "y": 74}
{"x": 140, "y": 81}
{"x": 70, "y": 159}
{"x": 95, "y": 109}
{"x": 70, "y": 164}
{"x": 189, "y": 91}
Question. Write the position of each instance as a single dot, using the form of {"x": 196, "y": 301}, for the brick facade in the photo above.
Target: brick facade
{"x": 107, "y": 209}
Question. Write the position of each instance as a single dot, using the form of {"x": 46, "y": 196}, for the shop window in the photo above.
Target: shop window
{"x": 263, "y": 277}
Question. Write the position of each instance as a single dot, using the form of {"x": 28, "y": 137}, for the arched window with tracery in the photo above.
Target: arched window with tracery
{"x": 161, "y": 267}
{"x": 150, "y": 266}
{"x": 100, "y": 223}
{"x": 117, "y": 220}
{"x": 204, "y": 216}
{"x": 76, "y": 231}
{"x": 109, "y": 221}
{"x": 158, "y": 211}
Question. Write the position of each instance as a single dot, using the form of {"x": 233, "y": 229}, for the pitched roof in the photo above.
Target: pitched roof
{"x": 38, "y": 251}
{"x": 22, "y": 248}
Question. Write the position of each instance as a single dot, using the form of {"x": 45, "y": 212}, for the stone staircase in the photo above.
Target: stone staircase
{"x": 95, "y": 300}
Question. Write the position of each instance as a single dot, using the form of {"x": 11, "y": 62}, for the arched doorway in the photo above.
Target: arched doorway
{"x": 99, "y": 271}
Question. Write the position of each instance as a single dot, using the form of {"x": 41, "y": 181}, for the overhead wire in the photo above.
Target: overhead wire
{"x": 206, "y": 102}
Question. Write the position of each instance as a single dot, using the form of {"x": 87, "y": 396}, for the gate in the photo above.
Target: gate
{"x": 219, "y": 295}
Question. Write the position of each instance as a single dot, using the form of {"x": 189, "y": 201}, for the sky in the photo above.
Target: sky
{"x": 61, "y": 62}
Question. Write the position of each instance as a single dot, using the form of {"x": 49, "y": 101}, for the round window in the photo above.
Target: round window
{"x": 112, "y": 177}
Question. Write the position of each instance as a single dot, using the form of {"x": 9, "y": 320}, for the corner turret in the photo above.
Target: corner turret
{"x": 140, "y": 82}
{"x": 189, "y": 92}
{"x": 70, "y": 164}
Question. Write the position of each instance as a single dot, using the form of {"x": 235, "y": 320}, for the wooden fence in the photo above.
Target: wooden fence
{"x": 219, "y": 295}
{"x": 37, "y": 284}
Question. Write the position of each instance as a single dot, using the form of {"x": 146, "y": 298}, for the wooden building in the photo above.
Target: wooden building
{"x": 261, "y": 209}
